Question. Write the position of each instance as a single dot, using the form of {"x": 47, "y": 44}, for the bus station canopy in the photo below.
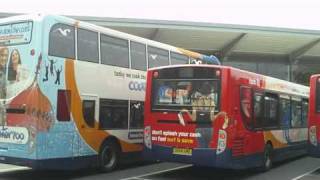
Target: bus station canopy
{"x": 220, "y": 39}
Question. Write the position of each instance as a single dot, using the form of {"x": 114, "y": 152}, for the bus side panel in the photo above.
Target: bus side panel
{"x": 247, "y": 145}
{"x": 313, "y": 120}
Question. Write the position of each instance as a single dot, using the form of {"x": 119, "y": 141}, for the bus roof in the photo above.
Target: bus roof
{"x": 270, "y": 83}
{"x": 115, "y": 33}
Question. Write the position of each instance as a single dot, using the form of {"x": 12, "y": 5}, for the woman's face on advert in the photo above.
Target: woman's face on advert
{"x": 15, "y": 57}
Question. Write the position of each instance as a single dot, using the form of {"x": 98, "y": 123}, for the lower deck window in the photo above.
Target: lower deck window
{"x": 136, "y": 114}
{"x": 113, "y": 114}
{"x": 88, "y": 110}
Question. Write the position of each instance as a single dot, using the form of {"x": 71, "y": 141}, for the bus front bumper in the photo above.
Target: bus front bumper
{"x": 204, "y": 157}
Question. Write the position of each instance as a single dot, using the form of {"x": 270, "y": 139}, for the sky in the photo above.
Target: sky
{"x": 304, "y": 14}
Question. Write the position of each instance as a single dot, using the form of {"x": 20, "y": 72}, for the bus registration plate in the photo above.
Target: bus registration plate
{"x": 182, "y": 151}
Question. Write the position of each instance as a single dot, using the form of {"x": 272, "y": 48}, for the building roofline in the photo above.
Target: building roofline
{"x": 152, "y": 23}
{"x": 195, "y": 25}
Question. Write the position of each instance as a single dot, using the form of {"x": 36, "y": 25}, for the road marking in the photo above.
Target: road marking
{"x": 140, "y": 179}
{"x": 157, "y": 172}
{"x": 307, "y": 173}
{"x": 13, "y": 169}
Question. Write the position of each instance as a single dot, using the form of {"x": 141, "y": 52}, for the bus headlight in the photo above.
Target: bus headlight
{"x": 147, "y": 137}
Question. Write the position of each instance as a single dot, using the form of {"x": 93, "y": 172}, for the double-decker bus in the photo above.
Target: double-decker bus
{"x": 314, "y": 116}
{"x": 220, "y": 116}
{"x": 72, "y": 93}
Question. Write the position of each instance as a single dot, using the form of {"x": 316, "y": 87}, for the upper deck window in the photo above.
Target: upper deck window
{"x": 88, "y": 46}
{"x": 62, "y": 41}
{"x": 15, "y": 33}
{"x": 178, "y": 58}
{"x": 138, "y": 56}
{"x": 157, "y": 57}
{"x": 114, "y": 51}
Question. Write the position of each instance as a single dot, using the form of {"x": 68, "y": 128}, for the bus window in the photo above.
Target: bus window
{"x": 63, "y": 105}
{"x": 136, "y": 114}
{"x": 258, "y": 106}
{"x": 305, "y": 106}
{"x": 186, "y": 94}
{"x": 178, "y": 58}
{"x": 62, "y": 41}
{"x": 285, "y": 112}
{"x": 318, "y": 95}
{"x": 87, "y": 45}
{"x": 246, "y": 105}
{"x": 157, "y": 57}
{"x": 113, "y": 114}
{"x": 114, "y": 51}
{"x": 296, "y": 110}
{"x": 88, "y": 109}
{"x": 271, "y": 110}
{"x": 138, "y": 56}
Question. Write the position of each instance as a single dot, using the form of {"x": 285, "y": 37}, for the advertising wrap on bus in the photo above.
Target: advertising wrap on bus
{"x": 194, "y": 95}
{"x": 24, "y": 110}
{"x": 15, "y": 33}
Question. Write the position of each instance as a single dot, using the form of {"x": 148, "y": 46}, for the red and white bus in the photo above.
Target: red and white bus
{"x": 314, "y": 116}
{"x": 224, "y": 117}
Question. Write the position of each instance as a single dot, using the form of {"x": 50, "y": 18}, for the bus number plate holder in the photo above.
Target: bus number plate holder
{"x": 182, "y": 151}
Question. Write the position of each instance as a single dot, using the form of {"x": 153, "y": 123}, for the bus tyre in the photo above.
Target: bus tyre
{"x": 109, "y": 156}
{"x": 267, "y": 158}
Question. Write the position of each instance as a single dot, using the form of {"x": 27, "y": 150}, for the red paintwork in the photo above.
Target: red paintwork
{"x": 313, "y": 117}
{"x": 231, "y": 79}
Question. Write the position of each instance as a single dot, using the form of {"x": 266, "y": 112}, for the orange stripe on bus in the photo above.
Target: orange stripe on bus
{"x": 268, "y": 136}
{"x": 93, "y": 137}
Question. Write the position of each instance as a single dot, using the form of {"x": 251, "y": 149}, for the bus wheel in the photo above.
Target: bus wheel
{"x": 267, "y": 158}
{"x": 109, "y": 156}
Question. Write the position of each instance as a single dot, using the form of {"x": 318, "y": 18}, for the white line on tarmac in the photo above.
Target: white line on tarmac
{"x": 140, "y": 179}
{"x": 13, "y": 169}
{"x": 307, "y": 173}
{"x": 157, "y": 172}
